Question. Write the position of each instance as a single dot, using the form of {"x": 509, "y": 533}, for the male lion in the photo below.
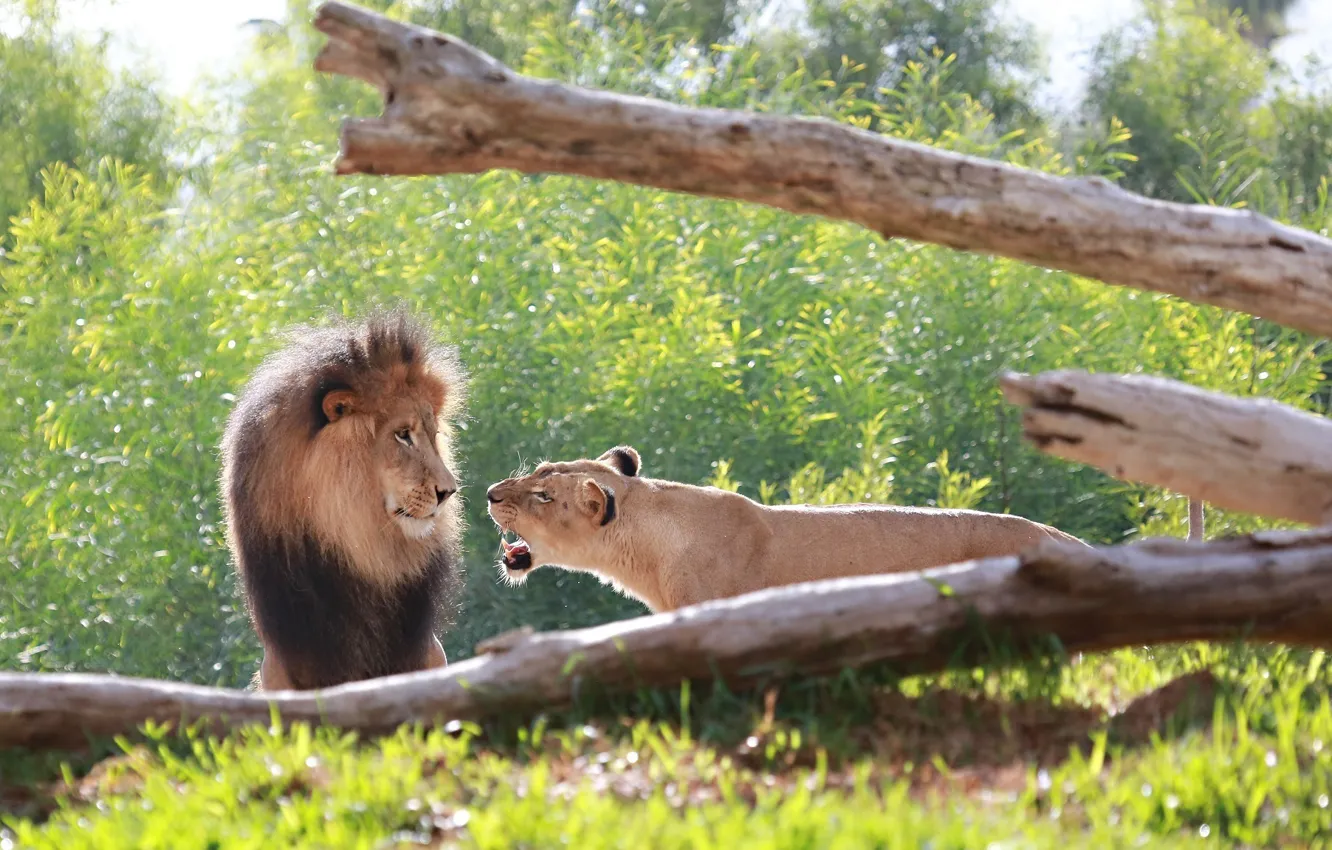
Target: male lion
{"x": 669, "y": 544}
{"x": 337, "y": 495}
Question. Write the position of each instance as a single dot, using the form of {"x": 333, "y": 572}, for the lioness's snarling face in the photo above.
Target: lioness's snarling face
{"x": 559, "y": 512}
{"x": 414, "y": 480}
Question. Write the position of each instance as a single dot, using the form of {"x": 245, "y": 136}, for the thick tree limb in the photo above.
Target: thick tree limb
{"x": 1271, "y": 586}
{"x": 450, "y": 108}
{"x": 1251, "y": 455}
{"x": 1196, "y": 529}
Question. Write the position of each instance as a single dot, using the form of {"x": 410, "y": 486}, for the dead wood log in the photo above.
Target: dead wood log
{"x": 450, "y": 108}
{"x": 1252, "y": 455}
{"x": 1273, "y": 586}
{"x": 1196, "y": 530}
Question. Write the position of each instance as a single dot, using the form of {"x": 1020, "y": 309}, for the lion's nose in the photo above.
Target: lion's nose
{"x": 441, "y": 495}
{"x": 491, "y": 496}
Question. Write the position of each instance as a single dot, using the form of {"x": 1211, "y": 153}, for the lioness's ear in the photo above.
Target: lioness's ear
{"x": 598, "y": 502}
{"x": 339, "y": 403}
{"x": 623, "y": 458}
{"x": 609, "y": 513}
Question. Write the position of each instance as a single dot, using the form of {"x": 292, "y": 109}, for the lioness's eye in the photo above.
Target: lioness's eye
{"x": 542, "y": 495}
{"x": 404, "y": 436}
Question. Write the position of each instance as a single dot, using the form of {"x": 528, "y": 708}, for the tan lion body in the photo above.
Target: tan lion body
{"x": 670, "y": 544}
{"x": 337, "y": 487}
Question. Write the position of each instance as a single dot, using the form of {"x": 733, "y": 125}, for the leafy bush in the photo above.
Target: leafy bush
{"x": 1211, "y": 117}
{"x": 62, "y": 103}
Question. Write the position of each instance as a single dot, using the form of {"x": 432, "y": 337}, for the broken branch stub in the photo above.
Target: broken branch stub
{"x": 1271, "y": 586}
{"x": 1252, "y": 455}
{"x": 450, "y": 108}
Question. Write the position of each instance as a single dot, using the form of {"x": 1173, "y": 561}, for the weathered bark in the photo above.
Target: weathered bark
{"x": 1251, "y": 455}
{"x": 1196, "y": 530}
{"x": 1271, "y": 586}
{"x": 450, "y": 108}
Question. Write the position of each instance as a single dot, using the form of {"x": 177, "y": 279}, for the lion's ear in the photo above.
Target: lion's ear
{"x": 623, "y": 458}
{"x": 339, "y": 403}
{"x": 598, "y": 502}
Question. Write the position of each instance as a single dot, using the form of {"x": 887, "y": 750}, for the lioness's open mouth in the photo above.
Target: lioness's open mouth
{"x": 517, "y": 555}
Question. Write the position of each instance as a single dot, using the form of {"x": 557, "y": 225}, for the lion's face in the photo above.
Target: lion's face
{"x": 405, "y": 452}
{"x": 559, "y": 512}
{"x": 415, "y": 480}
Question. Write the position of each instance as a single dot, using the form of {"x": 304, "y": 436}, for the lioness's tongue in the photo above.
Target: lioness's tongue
{"x": 518, "y": 556}
{"x": 518, "y": 545}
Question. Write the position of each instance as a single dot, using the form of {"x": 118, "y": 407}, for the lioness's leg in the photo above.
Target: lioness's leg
{"x": 435, "y": 654}
{"x": 272, "y": 675}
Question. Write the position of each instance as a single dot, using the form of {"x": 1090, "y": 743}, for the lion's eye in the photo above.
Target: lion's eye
{"x": 404, "y": 436}
{"x": 543, "y": 496}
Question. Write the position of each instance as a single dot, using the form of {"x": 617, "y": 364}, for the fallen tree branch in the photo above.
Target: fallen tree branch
{"x": 1269, "y": 586}
{"x": 450, "y": 108}
{"x": 1252, "y": 455}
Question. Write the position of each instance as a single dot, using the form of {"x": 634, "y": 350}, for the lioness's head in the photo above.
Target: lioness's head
{"x": 560, "y": 512}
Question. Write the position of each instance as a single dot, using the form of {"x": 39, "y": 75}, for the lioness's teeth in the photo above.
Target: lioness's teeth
{"x": 517, "y": 547}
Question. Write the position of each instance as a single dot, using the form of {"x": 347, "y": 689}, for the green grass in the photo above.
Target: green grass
{"x": 1035, "y": 757}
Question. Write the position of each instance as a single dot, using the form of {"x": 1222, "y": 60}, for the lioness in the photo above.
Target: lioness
{"x": 669, "y": 544}
{"x": 339, "y": 501}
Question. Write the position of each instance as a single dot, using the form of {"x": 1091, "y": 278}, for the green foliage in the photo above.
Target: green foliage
{"x": 1262, "y": 21}
{"x": 61, "y": 103}
{"x": 1212, "y": 79}
{"x": 958, "y": 489}
{"x": 1302, "y": 127}
{"x": 706, "y": 22}
{"x": 1211, "y": 119}
{"x": 869, "y": 483}
{"x": 862, "y": 45}
{"x": 108, "y": 510}
{"x": 1222, "y": 171}
{"x": 995, "y": 57}
{"x": 506, "y": 28}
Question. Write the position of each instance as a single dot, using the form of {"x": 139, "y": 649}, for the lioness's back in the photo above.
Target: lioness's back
{"x": 863, "y": 539}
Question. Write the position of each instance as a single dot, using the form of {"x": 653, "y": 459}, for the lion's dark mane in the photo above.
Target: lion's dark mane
{"x": 327, "y": 623}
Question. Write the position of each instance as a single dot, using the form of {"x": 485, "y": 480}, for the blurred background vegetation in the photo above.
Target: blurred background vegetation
{"x": 153, "y": 247}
